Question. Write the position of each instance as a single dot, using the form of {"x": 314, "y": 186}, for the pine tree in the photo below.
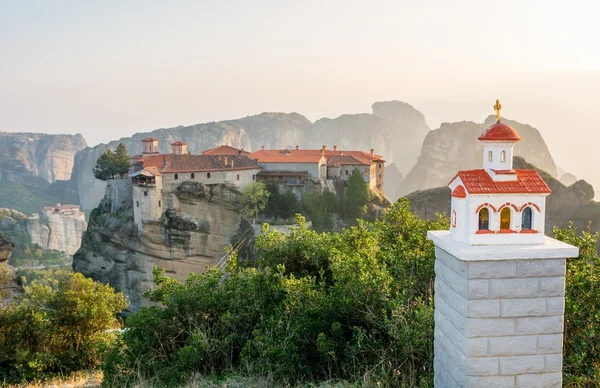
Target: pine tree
{"x": 121, "y": 160}
{"x": 111, "y": 164}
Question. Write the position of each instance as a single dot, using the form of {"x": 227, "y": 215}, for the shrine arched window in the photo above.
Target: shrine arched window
{"x": 484, "y": 219}
{"x": 505, "y": 218}
{"x": 527, "y": 218}
{"x": 490, "y": 156}
{"x": 503, "y": 156}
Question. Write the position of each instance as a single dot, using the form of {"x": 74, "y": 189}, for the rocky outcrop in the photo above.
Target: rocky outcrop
{"x": 454, "y": 147}
{"x": 393, "y": 178}
{"x": 189, "y": 237}
{"x": 57, "y": 231}
{"x": 394, "y": 129}
{"x": 26, "y": 156}
{"x": 10, "y": 284}
{"x": 566, "y": 203}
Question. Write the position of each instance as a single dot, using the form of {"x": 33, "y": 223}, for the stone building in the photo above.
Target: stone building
{"x": 285, "y": 164}
{"x": 58, "y": 227}
{"x": 500, "y": 283}
{"x": 155, "y": 176}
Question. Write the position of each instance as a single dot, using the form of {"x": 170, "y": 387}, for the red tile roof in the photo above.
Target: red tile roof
{"x": 148, "y": 139}
{"x": 178, "y": 143}
{"x": 480, "y": 182}
{"x": 459, "y": 192}
{"x": 500, "y": 132}
{"x": 339, "y": 160}
{"x": 225, "y": 150}
{"x": 192, "y": 163}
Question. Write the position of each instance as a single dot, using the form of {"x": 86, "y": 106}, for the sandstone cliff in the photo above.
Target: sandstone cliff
{"x": 565, "y": 204}
{"x": 35, "y": 155}
{"x": 57, "y": 231}
{"x": 13, "y": 286}
{"x": 188, "y": 237}
{"x": 455, "y": 147}
{"x": 395, "y": 130}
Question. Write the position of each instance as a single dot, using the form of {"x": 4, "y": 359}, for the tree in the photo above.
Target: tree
{"x": 111, "y": 164}
{"x": 320, "y": 207}
{"x": 122, "y": 160}
{"x": 357, "y": 196}
{"x": 58, "y": 326}
{"x": 255, "y": 197}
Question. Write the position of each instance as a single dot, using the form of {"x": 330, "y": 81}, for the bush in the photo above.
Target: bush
{"x": 57, "y": 326}
{"x": 582, "y": 312}
{"x": 317, "y": 306}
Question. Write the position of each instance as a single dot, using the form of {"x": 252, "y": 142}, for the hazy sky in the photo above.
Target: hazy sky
{"x": 108, "y": 69}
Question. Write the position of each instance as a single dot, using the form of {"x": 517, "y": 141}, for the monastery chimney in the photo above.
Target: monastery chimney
{"x": 335, "y": 148}
{"x": 297, "y": 148}
{"x": 262, "y": 148}
{"x": 324, "y": 148}
{"x": 372, "y": 151}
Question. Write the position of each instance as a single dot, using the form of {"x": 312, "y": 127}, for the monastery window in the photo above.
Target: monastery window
{"x": 158, "y": 203}
{"x": 237, "y": 178}
{"x": 505, "y": 218}
{"x": 192, "y": 176}
{"x": 176, "y": 177}
{"x": 526, "y": 220}
{"x": 379, "y": 176}
{"x": 253, "y": 176}
{"x": 145, "y": 193}
{"x": 366, "y": 172}
{"x": 380, "y": 165}
{"x": 490, "y": 156}
{"x": 208, "y": 175}
{"x": 502, "y": 156}
{"x": 484, "y": 219}
{"x": 137, "y": 203}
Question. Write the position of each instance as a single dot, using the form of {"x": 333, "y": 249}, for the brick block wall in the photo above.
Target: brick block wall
{"x": 498, "y": 323}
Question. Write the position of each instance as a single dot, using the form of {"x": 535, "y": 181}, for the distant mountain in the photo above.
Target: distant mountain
{"x": 27, "y": 156}
{"x": 395, "y": 130}
{"x": 454, "y": 147}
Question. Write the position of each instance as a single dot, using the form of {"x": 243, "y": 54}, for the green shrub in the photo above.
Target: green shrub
{"x": 57, "y": 326}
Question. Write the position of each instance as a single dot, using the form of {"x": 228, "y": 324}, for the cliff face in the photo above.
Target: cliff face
{"x": 565, "y": 204}
{"x": 454, "y": 147}
{"x": 57, "y": 231}
{"x": 13, "y": 286}
{"x": 34, "y": 155}
{"x": 395, "y": 130}
{"x": 190, "y": 236}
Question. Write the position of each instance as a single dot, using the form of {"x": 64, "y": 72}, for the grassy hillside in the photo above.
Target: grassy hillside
{"x": 14, "y": 195}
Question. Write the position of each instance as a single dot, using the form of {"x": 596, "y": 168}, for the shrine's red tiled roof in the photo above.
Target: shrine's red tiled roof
{"x": 459, "y": 192}
{"x": 480, "y": 182}
{"x": 500, "y": 132}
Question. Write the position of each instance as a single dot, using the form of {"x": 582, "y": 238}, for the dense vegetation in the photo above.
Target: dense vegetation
{"x": 307, "y": 307}
{"x": 350, "y": 305}
{"x": 323, "y": 208}
{"x": 26, "y": 199}
{"x": 61, "y": 324}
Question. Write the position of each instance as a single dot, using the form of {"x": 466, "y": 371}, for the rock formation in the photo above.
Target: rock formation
{"x": 565, "y": 204}
{"x": 24, "y": 156}
{"x": 188, "y": 237}
{"x": 13, "y": 286}
{"x": 395, "y": 129}
{"x": 454, "y": 147}
{"x": 57, "y": 230}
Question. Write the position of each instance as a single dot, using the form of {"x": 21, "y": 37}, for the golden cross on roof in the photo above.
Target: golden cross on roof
{"x": 497, "y": 108}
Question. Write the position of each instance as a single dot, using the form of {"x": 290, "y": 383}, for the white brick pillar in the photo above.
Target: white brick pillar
{"x": 499, "y": 313}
